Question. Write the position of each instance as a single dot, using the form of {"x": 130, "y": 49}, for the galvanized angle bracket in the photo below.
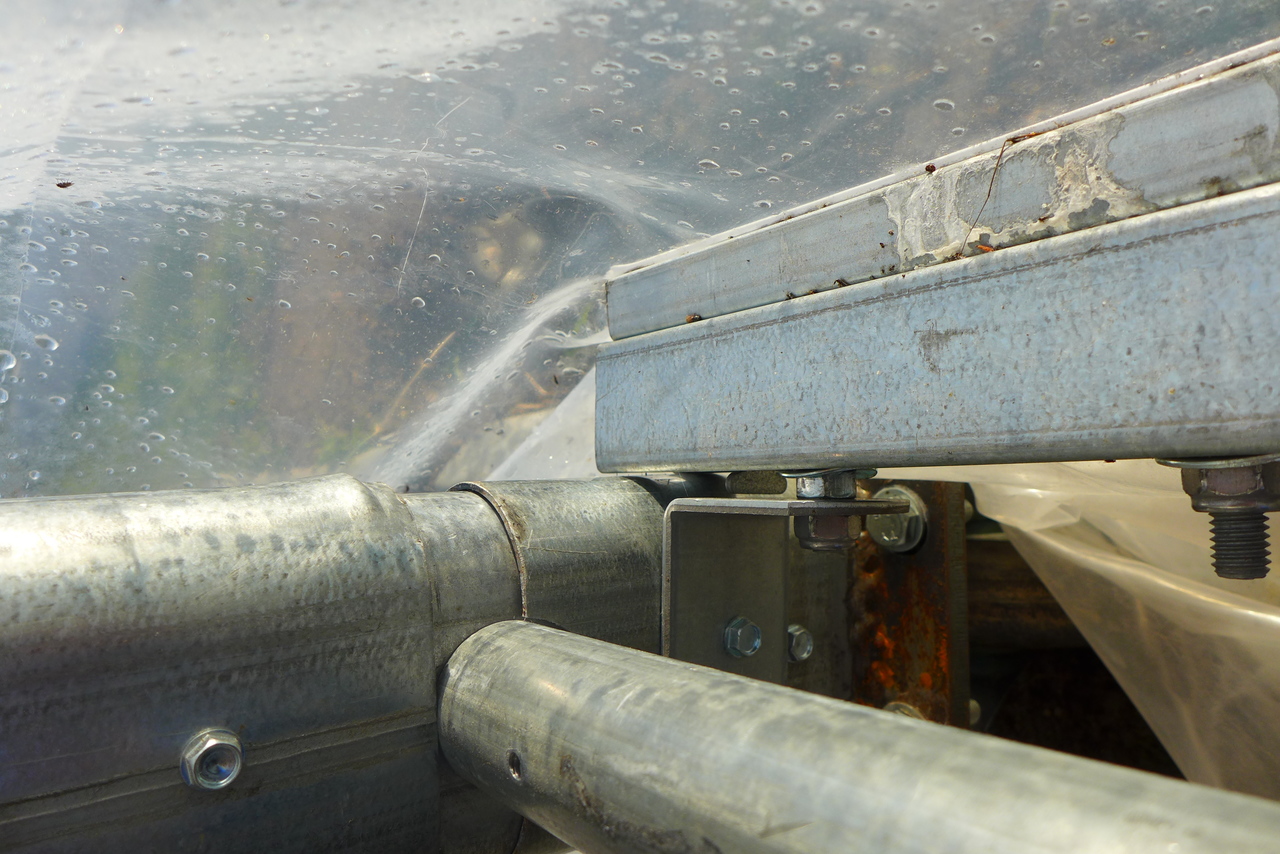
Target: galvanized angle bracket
{"x": 724, "y": 574}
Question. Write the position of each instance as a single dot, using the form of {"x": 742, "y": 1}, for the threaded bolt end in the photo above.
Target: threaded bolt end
{"x": 1239, "y": 543}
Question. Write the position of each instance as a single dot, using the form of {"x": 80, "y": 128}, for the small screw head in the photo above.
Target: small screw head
{"x": 742, "y": 638}
{"x": 212, "y": 760}
{"x": 799, "y": 642}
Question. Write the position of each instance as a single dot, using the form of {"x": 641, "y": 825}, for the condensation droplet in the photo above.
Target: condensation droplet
{"x": 944, "y": 105}
{"x": 46, "y": 342}
{"x": 284, "y": 304}
{"x": 417, "y": 302}
{"x": 7, "y": 360}
{"x": 708, "y": 163}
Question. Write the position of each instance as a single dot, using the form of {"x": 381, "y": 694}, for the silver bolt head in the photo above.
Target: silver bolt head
{"x": 212, "y": 760}
{"x": 799, "y": 642}
{"x": 899, "y": 532}
{"x": 742, "y": 638}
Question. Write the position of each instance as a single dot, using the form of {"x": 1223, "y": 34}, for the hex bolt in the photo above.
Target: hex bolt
{"x": 1239, "y": 542}
{"x": 1236, "y": 493}
{"x": 799, "y": 642}
{"x": 828, "y": 533}
{"x": 900, "y": 532}
{"x": 212, "y": 760}
{"x": 829, "y": 483}
{"x": 742, "y": 638}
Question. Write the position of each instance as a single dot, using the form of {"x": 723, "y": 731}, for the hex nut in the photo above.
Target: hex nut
{"x": 799, "y": 642}
{"x": 212, "y": 760}
{"x": 742, "y": 638}
{"x": 827, "y": 533}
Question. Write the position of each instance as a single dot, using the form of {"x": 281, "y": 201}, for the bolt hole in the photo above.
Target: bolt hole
{"x": 515, "y": 766}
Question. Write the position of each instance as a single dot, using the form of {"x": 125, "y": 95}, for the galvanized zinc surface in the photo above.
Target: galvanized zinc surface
{"x": 298, "y": 616}
{"x": 1148, "y": 337}
{"x": 1197, "y": 135}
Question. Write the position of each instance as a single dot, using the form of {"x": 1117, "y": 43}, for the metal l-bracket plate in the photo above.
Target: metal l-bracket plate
{"x": 725, "y": 558}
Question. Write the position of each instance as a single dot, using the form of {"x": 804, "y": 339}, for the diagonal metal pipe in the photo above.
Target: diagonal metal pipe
{"x": 615, "y": 750}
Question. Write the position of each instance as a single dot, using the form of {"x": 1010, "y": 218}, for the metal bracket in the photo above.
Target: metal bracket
{"x": 725, "y": 559}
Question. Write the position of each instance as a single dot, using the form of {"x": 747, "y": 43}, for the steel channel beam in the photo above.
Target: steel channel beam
{"x": 1151, "y": 337}
{"x": 1186, "y": 138}
{"x": 615, "y": 750}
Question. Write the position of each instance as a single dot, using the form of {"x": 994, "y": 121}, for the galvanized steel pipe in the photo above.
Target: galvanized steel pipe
{"x": 615, "y": 750}
{"x": 310, "y": 620}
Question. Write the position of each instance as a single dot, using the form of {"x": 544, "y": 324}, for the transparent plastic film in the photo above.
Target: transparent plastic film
{"x": 1121, "y": 549}
{"x": 245, "y": 242}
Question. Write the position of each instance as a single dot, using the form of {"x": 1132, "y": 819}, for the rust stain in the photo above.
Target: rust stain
{"x": 900, "y": 612}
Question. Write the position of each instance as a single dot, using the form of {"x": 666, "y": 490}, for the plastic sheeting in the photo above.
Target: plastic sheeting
{"x": 1128, "y": 559}
{"x": 245, "y": 241}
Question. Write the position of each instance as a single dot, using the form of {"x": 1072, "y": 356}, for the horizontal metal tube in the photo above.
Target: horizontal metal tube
{"x": 310, "y": 618}
{"x": 589, "y": 552}
{"x": 615, "y": 750}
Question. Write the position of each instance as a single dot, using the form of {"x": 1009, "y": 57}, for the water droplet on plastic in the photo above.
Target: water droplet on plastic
{"x": 944, "y": 105}
{"x": 284, "y": 304}
{"x": 57, "y": 401}
{"x": 707, "y": 163}
{"x": 46, "y": 342}
{"x": 4, "y": 396}
{"x": 7, "y": 360}
{"x": 417, "y": 302}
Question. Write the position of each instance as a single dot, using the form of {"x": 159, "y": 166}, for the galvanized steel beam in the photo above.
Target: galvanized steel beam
{"x": 1193, "y": 136}
{"x": 614, "y": 750}
{"x": 1151, "y": 337}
